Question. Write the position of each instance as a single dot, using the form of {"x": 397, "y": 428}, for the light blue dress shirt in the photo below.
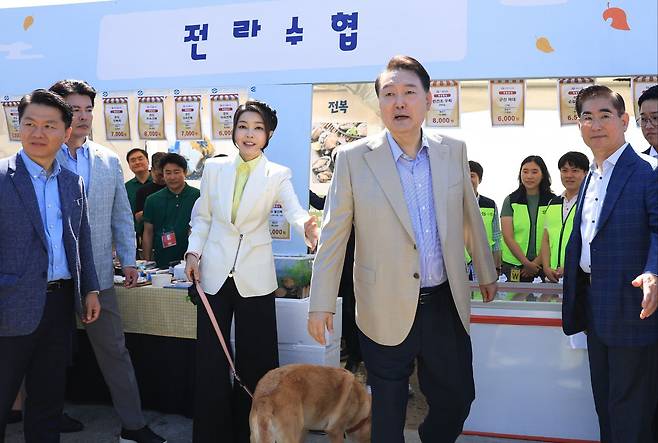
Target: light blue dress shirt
{"x": 79, "y": 165}
{"x": 416, "y": 179}
{"x": 47, "y": 192}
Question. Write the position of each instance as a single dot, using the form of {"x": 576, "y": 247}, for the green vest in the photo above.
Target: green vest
{"x": 487, "y": 210}
{"x": 558, "y": 231}
{"x": 521, "y": 222}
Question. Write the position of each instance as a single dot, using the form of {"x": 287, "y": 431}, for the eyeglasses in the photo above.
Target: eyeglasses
{"x": 644, "y": 121}
{"x": 589, "y": 120}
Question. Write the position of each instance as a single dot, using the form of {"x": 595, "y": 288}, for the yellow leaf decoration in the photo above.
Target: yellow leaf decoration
{"x": 28, "y": 22}
{"x": 544, "y": 45}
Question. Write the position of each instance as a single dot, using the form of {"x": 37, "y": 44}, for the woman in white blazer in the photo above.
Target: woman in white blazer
{"x": 230, "y": 253}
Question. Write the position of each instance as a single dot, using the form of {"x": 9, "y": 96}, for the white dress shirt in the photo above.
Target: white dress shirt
{"x": 599, "y": 177}
{"x": 653, "y": 152}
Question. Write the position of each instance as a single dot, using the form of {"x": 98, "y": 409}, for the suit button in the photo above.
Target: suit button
{"x": 416, "y": 275}
{"x": 415, "y": 247}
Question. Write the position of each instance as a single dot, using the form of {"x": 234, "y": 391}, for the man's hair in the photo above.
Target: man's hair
{"x": 649, "y": 94}
{"x": 156, "y": 158}
{"x": 476, "y": 168}
{"x": 575, "y": 159}
{"x": 46, "y": 98}
{"x": 268, "y": 115}
{"x": 176, "y": 159}
{"x": 600, "y": 91}
{"x": 70, "y": 86}
{"x": 406, "y": 63}
{"x": 133, "y": 150}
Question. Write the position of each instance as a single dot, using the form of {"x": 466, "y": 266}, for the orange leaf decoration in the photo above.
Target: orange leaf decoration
{"x": 618, "y": 17}
{"x": 28, "y": 22}
{"x": 544, "y": 45}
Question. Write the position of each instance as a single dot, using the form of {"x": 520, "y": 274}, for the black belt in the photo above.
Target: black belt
{"x": 425, "y": 294}
{"x": 59, "y": 284}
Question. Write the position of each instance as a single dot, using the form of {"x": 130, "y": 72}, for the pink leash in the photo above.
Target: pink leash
{"x": 213, "y": 320}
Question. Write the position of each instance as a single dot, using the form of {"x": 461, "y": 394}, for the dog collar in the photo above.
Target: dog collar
{"x": 358, "y": 425}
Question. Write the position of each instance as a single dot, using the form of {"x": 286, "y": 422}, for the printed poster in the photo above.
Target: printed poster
{"x": 188, "y": 117}
{"x": 223, "y": 107}
{"x": 568, "y": 89}
{"x": 279, "y": 226}
{"x": 11, "y": 114}
{"x": 507, "y": 102}
{"x": 151, "y": 118}
{"x": 444, "y": 112}
{"x": 117, "y": 120}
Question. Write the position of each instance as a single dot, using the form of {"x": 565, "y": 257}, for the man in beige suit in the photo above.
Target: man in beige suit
{"x": 409, "y": 196}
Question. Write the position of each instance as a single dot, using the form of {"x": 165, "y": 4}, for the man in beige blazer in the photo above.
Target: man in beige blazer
{"x": 409, "y": 196}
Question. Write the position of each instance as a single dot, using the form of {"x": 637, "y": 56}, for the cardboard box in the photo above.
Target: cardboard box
{"x": 313, "y": 355}
{"x": 291, "y": 322}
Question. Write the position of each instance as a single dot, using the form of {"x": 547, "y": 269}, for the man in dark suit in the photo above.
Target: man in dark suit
{"x": 610, "y": 282}
{"x": 46, "y": 266}
{"x": 648, "y": 119}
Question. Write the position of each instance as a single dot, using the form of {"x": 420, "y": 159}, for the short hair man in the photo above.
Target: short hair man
{"x": 138, "y": 162}
{"x": 47, "y": 266}
{"x": 558, "y": 220}
{"x": 648, "y": 119}
{"x": 611, "y": 267}
{"x": 111, "y": 224}
{"x": 489, "y": 213}
{"x": 156, "y": 184}
{"x": 409, "y": 196}
{"x": 167, "y": 214}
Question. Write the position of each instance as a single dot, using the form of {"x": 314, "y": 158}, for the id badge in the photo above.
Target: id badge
{"x": 516, "y": 275}
{"x": 168, "y": 239}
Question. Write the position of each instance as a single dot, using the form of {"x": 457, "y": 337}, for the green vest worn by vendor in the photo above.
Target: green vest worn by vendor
{"x": 558, "y": 231}
{"x": 521, "y": 222}
{"x": 487, "y": 210}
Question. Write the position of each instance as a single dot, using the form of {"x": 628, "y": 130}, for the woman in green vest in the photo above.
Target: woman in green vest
{"x": 522, "y": 220}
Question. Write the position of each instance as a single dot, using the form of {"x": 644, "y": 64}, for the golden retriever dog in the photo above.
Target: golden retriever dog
{"x": 293, "y": 399}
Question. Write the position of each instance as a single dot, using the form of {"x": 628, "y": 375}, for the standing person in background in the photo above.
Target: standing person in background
{"x": 47, "y": 268}
{"x": 522, "y": 220}
{"x": 558, "y": 222}
{"x": 489, "y": 213}
{"x": 167, "y": 214}
{"x": 648, "y": 119}
{"x": 138, "y": 162}
{"x": 231, "y": 238}
{"x": 157, "y": 183}
{"x": 111, "y": 223}
{"x": 611, "y": 271}
{"x": 409, "y": 197}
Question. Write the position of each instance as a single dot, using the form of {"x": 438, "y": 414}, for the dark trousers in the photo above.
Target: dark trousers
{"x": 350, "y": 330}
{"x": 41, "y": 358}
{"x": 625, "y": 389}
{"x": 442, "y": 347}
{"x": 221, "y": 410}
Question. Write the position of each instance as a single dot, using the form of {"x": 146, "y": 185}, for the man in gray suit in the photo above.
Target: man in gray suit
{"x": 46, "y": 266}
{"x": 111, "y": 222}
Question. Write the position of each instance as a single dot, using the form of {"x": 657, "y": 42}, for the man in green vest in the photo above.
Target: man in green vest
{"x": 490, "y": 218}
{"x": 558, "y": 221}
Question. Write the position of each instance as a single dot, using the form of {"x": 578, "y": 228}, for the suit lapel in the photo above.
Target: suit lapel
{"x": 95, "y": 166}
{"x": 438, "y": 164}
{"x": 620, "y": 175}
{"x": 227, "y": 181}
{"x": 25, "y": 190}
{"x": 70, "y": 218}
{"x": 381, "y": 163}
{"x": 253, "y": 190}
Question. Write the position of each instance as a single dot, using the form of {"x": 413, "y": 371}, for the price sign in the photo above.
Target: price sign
{"x": 117, "y": 120}
{"x": 568, "y": 89}
{"x": 223, "y": 108}
{"x": 188, "y": 117}
{"x": 507, "y": 102}
{"x": 151, "y": 118}
{"x": 444, "y": 111}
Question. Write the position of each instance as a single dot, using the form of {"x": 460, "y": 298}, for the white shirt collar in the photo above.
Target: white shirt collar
{"x": 397, "y": 151}
{"x": 609, "y": 162}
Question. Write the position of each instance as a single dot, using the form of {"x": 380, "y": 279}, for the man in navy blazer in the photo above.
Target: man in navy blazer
{"x": 611, "y": 268}
{"x": 46, "y": 266}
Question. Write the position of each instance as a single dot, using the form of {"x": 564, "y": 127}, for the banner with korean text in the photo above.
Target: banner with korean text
{"x": 188, "y": 117}
{"x": 11, "y": 115}
{"x": 117, "y": 120}
{"x": 151, "y": 118}
{"x": 568, "y": 89}
{"x": 507, "y": 102}
{"x": 223, "y": 107}
{"x": 444, "y": 111}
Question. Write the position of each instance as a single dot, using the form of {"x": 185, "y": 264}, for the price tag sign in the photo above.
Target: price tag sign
{"x": 11, "y": 115}
{"x": 151, "y": 118}
{"x": 117, "y": 120}
{"x": 568, "y": 89}
{"x": 188, "y": 117}
{"x": 223, "y": 108}
{"x": 444, "y": 112}
{"x": 279, "y": 226}
{"x": 507, "y": 102}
